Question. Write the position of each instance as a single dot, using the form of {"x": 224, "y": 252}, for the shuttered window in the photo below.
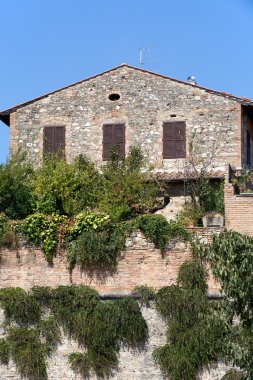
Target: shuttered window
{"x": 54, "y": 139}
{"x": 113, "y": 134}
{"x": 174, "y": 139}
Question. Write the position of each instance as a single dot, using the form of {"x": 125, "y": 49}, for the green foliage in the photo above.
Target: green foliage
{"x": 196, "y": 331}
{"x": 8, "y": 232}
{"x": 213, "y": 198}
{"x": 144, "y": 293}
{"x": 4, "y": 352}
{"x": 233, "y": 374}
{"x": 27, "y": 352}
{"x": 19, "y": 307}
{"x": 15, "y": 194}
{"x": 41, "y": 230}
{"x": 192, "y": 275}
{"x": 126, "y": 192}
{"x": 156, "y": 228}
{"x": 66, "y": 188}
{"x": 102, "y": 365}
{"x": 88, "y": 220}
{"x": 96, "y": 247}
{"x": 50, "y": 331}
{"x": 99, "y": 327}
{"x": 190, "y": 215}
{"x": 230, "y": 255}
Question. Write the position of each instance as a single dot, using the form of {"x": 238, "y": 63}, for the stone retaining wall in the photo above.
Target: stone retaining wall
{"x": 132, "y": 365}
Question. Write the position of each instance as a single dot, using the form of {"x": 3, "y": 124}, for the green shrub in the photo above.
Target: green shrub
{"x": 156, "y": 228}
{"x": 41, "y": 230}
{"x": 66, "y": 188}
{"x": 16, "y": 199}
{"x": 127, "y": 192}
{"x": 8, "y": 233}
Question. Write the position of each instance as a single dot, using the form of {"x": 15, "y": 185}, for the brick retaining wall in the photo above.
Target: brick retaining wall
{"x": 139, "y": 264}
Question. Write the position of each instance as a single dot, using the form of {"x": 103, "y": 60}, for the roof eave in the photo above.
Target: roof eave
{"x": 5, "y": 118}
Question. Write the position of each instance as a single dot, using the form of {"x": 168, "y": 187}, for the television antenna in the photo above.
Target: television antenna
{"x": 142, "y": 50}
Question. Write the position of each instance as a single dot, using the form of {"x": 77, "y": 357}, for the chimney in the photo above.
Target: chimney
{"x": 192, "y": 79}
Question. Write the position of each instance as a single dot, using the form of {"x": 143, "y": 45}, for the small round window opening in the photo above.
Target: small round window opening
{"x": 114, "y": 97}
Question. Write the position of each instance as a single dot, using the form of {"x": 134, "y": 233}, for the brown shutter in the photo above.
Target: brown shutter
{"x": 54, "y": 139}
{"x": 119, "y": 138}
{"x": 48, "y": 146}
{"x": 113, "y": 134}
{"x": 180, "y": 139}
{"x": 168, "y": 140}
{"x": 59, "y": 139}
{"x": 108, "y": 140}
{"x": 174, "y": 139}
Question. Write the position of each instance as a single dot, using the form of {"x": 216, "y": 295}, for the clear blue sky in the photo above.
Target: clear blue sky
{"x": 47, "y": 44}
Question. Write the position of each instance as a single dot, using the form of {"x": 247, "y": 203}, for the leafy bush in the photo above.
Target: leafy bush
{"x": 8, "y": 232}
{"x": 15, "y": 194}
{"x": 126, "y": 191}
{"x": 66, "y": 188}
{"x": 156, "y": 228}
{"x": 41, "y": 230}
{"x": 87, "y": 220}
{"x": 230, "y": 255}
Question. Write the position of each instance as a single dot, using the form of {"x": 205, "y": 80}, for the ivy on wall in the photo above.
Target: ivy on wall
{"x": 33, "y": 322}
{"x": 196, "y": 330}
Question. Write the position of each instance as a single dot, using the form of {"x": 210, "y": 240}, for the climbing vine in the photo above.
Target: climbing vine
{"x": 196, "y": 332}
{"x": 33, "y": 322}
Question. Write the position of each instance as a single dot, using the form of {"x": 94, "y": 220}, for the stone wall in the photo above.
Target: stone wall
{"x": 133, "y": 365}
{"x": 146, "y": 101}
{"x": 139, "y": 264}
{"x": 238, "y": 210}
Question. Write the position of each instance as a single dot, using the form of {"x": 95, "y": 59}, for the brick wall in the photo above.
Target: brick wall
{"x": 139, "y": 264}
{"x": 238, "y": 210}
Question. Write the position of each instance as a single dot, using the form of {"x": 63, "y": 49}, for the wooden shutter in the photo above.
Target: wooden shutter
{"x": 174, "y": 139}
{"x": 54, "y": 139}
{"x": 59, "y": 139}
{"x": 180, "y": 139}
{"x": 119, "y": 138}
{"x": 48, "y": 140}
{"x": 168, "y": 140}
{"x": 107, "y": 140}
{"x": 113, "y": 134}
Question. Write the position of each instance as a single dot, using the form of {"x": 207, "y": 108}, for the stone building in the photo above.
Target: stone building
{"x": 171, "y": 120}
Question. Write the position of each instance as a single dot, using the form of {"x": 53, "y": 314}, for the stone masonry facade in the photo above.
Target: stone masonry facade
{"x": 146, "y": 101}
